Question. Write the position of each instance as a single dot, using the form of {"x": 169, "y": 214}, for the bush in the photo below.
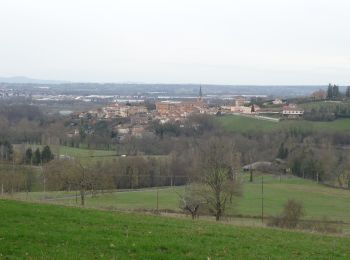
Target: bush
{"x": 291, "y": 218}
{"x": 292, "y": 212}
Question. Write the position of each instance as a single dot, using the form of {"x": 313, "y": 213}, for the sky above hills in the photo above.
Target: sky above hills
{"x": 182, "y": 41}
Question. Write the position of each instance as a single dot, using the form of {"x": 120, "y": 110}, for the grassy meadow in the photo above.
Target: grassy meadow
{"x": 319, "y": 201}
{"x": 85, "y": 155}
{"x": 40, "y": 231}
{"x": 236, "y": 123}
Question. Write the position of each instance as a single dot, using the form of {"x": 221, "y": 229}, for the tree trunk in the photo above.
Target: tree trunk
{"x": 82, "y": 196}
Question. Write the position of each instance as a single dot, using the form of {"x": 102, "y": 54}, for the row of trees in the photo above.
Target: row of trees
{"x": 333, "y": 92}
{"x": 38, "y": 157}
{"x": 327, "y": 111}
{"x": 6, "y": 151}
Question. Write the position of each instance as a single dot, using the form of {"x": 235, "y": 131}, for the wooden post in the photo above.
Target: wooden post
{"x": 280, "y": 176}
{"x": 76, "y": 197}
{"x": 262, "y": 199}
{"x": 13, "y": 174}
{"x": 157, "y": 199}
{"x": 44, "y": 180}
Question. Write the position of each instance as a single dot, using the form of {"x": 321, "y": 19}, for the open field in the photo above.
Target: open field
{"x": 37, "y": 231}
{"x": 83, "y": 154}
{"x": 236, "y": 123}
{"x": 319, "y": 201}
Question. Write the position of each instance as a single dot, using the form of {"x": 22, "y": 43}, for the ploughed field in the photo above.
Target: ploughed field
{"x": 41, "y": 231}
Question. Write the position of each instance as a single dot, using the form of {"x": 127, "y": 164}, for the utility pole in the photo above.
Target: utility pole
{"x": 157, "y": 199}
{"x": 262, "y": 199}
{"x": 13, "y": 174}
{"x": 42, "y": 171}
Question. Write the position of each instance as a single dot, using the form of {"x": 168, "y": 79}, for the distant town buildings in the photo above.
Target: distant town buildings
{"x": 177, "y": 110}
{"x": 240, "y": 101}
{"x": 122, "y": 110}
{"x": 277, "y": 101}
{"x": 240, "y": 107}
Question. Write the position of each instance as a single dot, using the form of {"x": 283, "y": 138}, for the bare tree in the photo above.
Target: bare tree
{"x": 191, "y": 199}
{"x": 217, "y": 157}
{"x": 216, "y": 190}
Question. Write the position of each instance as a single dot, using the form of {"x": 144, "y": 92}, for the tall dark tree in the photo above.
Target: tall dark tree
{"x": 6, "y": 151}
{"x": 347, "y": 92}
{"x": 336, "y": 93}
{"x": 46, "y": 154}
{"x": 330, "y": 92}
{"x": 282, "y": 152}
{"x": 29, "y": 156}
{"x": 37, "y": 157}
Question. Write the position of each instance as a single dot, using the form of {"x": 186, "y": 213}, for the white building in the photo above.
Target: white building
{"x": 277, "y": 101}
{"x": 292, "y": 111}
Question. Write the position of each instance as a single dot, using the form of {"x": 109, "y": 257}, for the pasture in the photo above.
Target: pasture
{"x": 319, "y": 201}
{"x": 38, "y": 231}
{"x": 240, "y": 124}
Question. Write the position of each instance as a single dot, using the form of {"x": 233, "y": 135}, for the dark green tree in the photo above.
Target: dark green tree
{"x": 6, "y": 151}
{"x": 37, "y": 157}
{"x": 46, "y": 154}
{"x": 330, "y": 92}
{"x": 29, "y": 156}
{"x": 347, "y": 93}
{"x": 336, "y": 93}
{"x": 282, "y": 152}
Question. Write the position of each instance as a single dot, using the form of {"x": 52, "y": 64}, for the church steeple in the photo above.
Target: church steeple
{"x": 200, "y": 95}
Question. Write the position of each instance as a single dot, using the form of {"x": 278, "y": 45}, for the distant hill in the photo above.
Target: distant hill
{"x": 25, "y": 80}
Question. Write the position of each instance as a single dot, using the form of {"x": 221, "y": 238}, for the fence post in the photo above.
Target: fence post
{"x": 262, "y": 199}
{"x": 157, "y": 199}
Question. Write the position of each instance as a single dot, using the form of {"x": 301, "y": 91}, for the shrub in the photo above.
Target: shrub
{"x": 292, "y": 212}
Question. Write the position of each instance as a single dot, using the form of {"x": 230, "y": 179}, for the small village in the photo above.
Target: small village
{"x": 134, "y": 118}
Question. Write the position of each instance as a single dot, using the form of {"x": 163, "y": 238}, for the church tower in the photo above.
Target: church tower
{"x": 200, "y": 95}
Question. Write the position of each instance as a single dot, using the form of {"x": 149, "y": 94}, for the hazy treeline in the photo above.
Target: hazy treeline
{"x": 26, "y": 123}
{"x": 327, "y": 111}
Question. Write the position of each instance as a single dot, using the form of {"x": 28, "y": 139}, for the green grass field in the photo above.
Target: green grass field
{"x": 236, "y": 123}
{"x": 38, "y": 231}
{"x": 319, "y": 201}
{"x": 80, "y": 152}
{"x": 84, "y": 155}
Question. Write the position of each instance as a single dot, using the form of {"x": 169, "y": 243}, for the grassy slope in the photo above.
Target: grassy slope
{"x": 86, "y": 155}
{"x": 243, "y": 124}
{"x": 318, "y": 200}
{"x": 54, "y": 232}
{"x": 78, "y": 152}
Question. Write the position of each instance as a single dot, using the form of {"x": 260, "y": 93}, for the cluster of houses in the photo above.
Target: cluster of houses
{"x": 289, "y": 111}
{"x": 241, "y": 107}
{"x": 170, "y": 110}
{"x": 133, "y": 119}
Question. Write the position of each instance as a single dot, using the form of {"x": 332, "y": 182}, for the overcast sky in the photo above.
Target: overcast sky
{"x": 177, "y": 41}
